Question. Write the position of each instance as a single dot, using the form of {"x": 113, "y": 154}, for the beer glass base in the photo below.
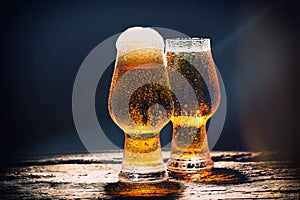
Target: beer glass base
{"x": 181, "y": 169}
{"x": 154, "y": 177}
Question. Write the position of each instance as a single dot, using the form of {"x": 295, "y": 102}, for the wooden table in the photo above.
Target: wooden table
{"x": 238, "y": 175}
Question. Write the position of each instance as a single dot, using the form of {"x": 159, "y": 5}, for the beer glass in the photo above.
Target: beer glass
{"x": 141, "y": 103}
{"x": 192, "y": 58}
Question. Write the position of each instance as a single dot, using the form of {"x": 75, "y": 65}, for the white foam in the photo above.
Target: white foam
{"x": 188, "y": 45}
{"x": 139, "y": 37}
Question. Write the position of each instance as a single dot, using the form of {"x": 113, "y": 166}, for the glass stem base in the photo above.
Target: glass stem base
{"x": 179, "y": 167}
{"x": 142, "y": 159}
{"x": 132, "y": 177}
{"x": 189, "y": 152}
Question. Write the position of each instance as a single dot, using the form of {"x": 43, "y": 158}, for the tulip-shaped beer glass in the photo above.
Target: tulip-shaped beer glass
{"x": 140, "y": 103}
{"x": 192, "y": 58}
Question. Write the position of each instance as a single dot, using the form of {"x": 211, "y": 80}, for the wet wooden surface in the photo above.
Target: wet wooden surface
{"x": 237, "y": 175}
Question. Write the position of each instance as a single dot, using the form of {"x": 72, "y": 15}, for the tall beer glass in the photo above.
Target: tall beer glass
{"x": 140, "y": 103}
{"x": 192, "y": 58}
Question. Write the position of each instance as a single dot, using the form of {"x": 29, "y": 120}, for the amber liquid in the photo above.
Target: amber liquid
{"x": 189, "y": 142}
{"x": 145, "y": 66}
{"x": 189, "y": 136}
{"x": 141, "y": 104}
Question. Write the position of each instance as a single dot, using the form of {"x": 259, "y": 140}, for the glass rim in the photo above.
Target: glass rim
{"x": 189, "y": 39}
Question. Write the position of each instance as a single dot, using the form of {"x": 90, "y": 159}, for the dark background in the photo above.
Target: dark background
{"x": 43, "y": 43}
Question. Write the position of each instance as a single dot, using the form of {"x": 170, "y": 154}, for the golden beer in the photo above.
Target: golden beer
{"x": 141, "y": 104}
{"x": 193, "y": 60}
{"x": 144, "y": 65}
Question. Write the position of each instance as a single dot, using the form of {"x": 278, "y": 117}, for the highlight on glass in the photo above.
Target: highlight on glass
{"x": 192, "y": 58}
{"x": 141, "y": 103}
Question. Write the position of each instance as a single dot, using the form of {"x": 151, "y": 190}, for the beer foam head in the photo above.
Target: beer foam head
{"x": 139, "y": 37}
{"x": 188, "y": 45}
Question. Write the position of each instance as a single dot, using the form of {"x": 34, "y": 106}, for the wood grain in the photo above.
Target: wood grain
{"x": 237, "y": 175}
